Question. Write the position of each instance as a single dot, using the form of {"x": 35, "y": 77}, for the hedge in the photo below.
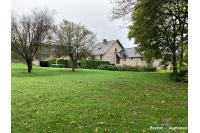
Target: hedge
{"x": 68, "y": 63}
{"x": 127, "y": 68}
{"x": 92, "y": 64}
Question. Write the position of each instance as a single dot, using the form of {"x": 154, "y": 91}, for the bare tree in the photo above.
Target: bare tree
{"x": 29, "y": 32}
{"x": 122, "y": 8}
{"x": 74, "y": 40}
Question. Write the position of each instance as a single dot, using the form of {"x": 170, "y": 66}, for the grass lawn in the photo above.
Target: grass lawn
{"x": 56, "y": 100}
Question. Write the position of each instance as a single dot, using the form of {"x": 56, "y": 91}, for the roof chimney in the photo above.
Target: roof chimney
{"x": 104, "y": 41}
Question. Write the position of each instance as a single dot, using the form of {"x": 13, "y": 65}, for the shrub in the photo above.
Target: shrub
{"x": 105, "y": 67}
{"x": 70, "y": 64}
{"x": 51, "y": 62}
{"x": 92, "y": 64}
{"x": 121, "y": 68}
{"x": 181, "y": 76}
{"x": 62, "y": 61}
{"x": 184, "y": 73}
{"x": 149, "y": 69}
{"x": 136, "y": 68}
{"x": 175, "y": 77}
{"x": 127, "y": 68}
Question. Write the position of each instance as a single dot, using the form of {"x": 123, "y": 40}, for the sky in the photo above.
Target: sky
{"x": 94, "y": 14}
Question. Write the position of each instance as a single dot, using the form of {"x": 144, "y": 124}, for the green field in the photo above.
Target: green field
{"x": 56, "y": 100}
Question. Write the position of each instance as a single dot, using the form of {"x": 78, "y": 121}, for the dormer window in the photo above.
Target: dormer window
{"x": 98, "y": 49}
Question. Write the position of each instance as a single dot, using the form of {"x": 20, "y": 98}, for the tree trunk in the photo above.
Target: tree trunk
{"x": 73, "y": 65}
{"x": 175, "y": 70}
{"x": 29, "y": 64}
{"x": 181, "y": 56}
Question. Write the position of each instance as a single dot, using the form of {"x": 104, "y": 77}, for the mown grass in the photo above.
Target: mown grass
{"x": 56, "y": 100}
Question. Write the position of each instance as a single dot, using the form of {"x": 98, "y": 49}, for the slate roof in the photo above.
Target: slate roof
{"x": 101, "y": 48}
{"x": 128, "y": 53}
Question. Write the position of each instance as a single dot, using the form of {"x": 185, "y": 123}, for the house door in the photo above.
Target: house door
{"x": 117, "y": 59}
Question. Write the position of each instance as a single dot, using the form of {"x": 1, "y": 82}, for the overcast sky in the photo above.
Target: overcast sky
{"x": 91, "y": 13}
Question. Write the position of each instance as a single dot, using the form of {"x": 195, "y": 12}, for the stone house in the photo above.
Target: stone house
{"x": 106, "y": 51}
{"x": 114, "y": 52}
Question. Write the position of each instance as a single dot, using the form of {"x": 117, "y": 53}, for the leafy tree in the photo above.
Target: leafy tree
{"x": 29, "y": 32}
{"x": 158, "y": 25}
{"x": 74, "y": 40}
{"x": 148, "y": 56}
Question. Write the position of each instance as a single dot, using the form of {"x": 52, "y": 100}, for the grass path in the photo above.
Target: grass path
{"x": 55, "y": 100}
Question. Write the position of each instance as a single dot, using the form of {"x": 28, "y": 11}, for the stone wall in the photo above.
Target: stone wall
{"x": 36, "y": 62}
{"x": 139, "y": 62}
{"x": 157, "y": 64}
{"x": 132, "y": 62}
{"x": 97, "y": 57}
{"x": 65, "y": 57}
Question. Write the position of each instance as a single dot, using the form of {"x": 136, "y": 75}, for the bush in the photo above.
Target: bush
{"x": 51, "y": 62}
{"x": 70, "y": 64}
{"x": 149, "y": 69}
{"x": 181, "y": 76}
{"x": 121, "y": 68}
{"x": 136, "y": 68}
{"x": 127, "y": 68}
{"x": 92, "y": 64}
{"x": 175, "y": 77}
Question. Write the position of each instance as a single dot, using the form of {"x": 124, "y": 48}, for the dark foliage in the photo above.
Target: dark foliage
{"x": 92, "y": 64}
{"x": 181, "y": 76}
{"x": 127, "y": 68}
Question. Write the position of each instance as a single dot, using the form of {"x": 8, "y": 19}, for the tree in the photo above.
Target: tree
{"x": 74, "y": 40}
{"x": 29, "y": 32}
{"x": 158, "y": 25}
{"x": 122, "y": 8}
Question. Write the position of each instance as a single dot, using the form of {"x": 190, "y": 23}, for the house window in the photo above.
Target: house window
{"x": 115, "y": 49}
{"x": 100, "y": 57}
